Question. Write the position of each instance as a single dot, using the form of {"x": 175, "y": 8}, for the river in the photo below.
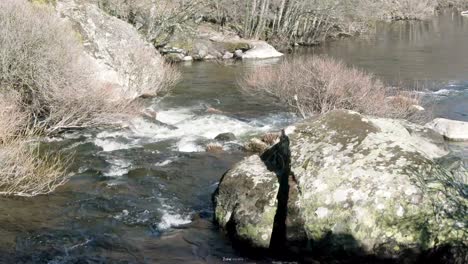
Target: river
{"x": 143, "y": 194}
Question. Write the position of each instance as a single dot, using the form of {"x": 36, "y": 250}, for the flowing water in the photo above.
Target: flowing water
{"x": 143, "y": 194}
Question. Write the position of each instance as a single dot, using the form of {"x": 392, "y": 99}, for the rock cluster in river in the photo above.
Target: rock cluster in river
{"x": 207, "y": 43}
{"x": 348, "y": 184}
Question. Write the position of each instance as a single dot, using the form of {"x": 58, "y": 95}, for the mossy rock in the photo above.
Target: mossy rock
{"x": 44, "y": 2}
{"x": 233, "y": 46}
{"x": 362, "y": 186}
{"x": 247, "y": 216}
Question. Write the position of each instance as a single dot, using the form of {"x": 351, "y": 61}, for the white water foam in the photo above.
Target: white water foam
{"x": 164, "y": 163}
{"x": 108, "y": 145}
{"x": 171, "y": 217}
{"x": 169, "y": 220}
{"x": 118, "y": 168}
{"x": 444, "y": 92}
{"x": 187, "y": 127}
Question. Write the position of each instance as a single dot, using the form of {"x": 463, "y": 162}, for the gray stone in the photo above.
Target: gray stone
{"x": 261, "y": 50}
{"x": 225, "y": 137}
{"x": 238, "y": 204}
{"x": 451, "y": 129}
{"x": 238, "y": 53}
{"x": 228, "y": 55}
{"x": 360, "y": 184}
{"x": 120, "y": 56}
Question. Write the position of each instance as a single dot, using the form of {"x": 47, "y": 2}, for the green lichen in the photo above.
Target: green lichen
{"x": 233, "y": 46}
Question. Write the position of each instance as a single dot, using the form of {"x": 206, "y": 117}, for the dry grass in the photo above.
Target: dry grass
{"x": 214, "y": 147}
{"x": 25, "y": 171}
{"x": 409, "y": 9}
{"x": 157, "y": 20}
{"x": 46, "y": 85}
{"x": 42, "y": 60}
{"x": 12, "y": 119}
{"x": 320, "y": 84}
{"x": 271, "y": 138}
{"x": 145, "y": 81}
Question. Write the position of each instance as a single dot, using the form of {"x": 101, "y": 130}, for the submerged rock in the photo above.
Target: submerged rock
{"x": 357, "y": 186}
{"x": 225, "y": 137}
{"x": 451, "y": 129}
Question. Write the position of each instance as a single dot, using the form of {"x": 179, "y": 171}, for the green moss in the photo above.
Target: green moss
{"x": 44, "y": 2}
{"x": 185, "y": 44}
{"x": 233, "y": 46}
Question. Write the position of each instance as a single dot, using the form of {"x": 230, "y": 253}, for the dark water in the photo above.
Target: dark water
{"x": 143, "y": 194}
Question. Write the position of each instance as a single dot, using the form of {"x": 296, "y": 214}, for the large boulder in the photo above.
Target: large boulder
{"x": 451, "y": 129}
{"x": 365, "y": 186}
{"x": 261, "y": 50}
{"x": 119, "y": 55}
{"x": 240, "y": 208}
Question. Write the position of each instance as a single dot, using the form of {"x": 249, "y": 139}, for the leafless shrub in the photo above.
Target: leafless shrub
{"x": 144, "y": 80}
{"x": 157, "y": 20}
{"x": 214, "y": 147}
{"x": 459, "y": 4}
{"x": 271, "y": 138}
{"x": 12, "y": 119}
{"x": 311, "y": 21}
{"x": 25, "y": 171}
{"x": 409, "y": 9}
{"x": 42, "y": 61}
{"x": 321, "y": 84}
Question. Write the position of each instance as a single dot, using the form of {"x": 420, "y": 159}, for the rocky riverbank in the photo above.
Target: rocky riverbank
{"x": 349, "y": 186}
{"x": 207, "y": 42}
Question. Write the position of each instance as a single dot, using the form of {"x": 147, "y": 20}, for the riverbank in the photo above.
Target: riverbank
{"x": 180, "y": 28}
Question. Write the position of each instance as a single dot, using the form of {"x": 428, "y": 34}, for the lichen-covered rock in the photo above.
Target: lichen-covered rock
{"x": 261, "y": 50}
{"x": 362, "y": 185}
{"x": 245, "y": 202}
{"x": 375, "y": 181}
{"x": 120, "y": 56}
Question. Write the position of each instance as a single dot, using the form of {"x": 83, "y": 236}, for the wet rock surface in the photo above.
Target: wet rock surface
{"x": 225, "y": 137}
{"x": 358, "y": 187}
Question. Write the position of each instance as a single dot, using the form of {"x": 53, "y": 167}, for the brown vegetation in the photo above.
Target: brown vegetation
{"x": 279, "y": 21}
{"x": 27, "y": 172}
{"x": 46, "y": 85}
{"x": 320, "y": 84}
{"x": 214, "y": 147}
{"x": 23, "y": 170}
{"x": 42, "y": 62}
{"x": 308, "y": 22}
{"x": 157, "y": 20}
